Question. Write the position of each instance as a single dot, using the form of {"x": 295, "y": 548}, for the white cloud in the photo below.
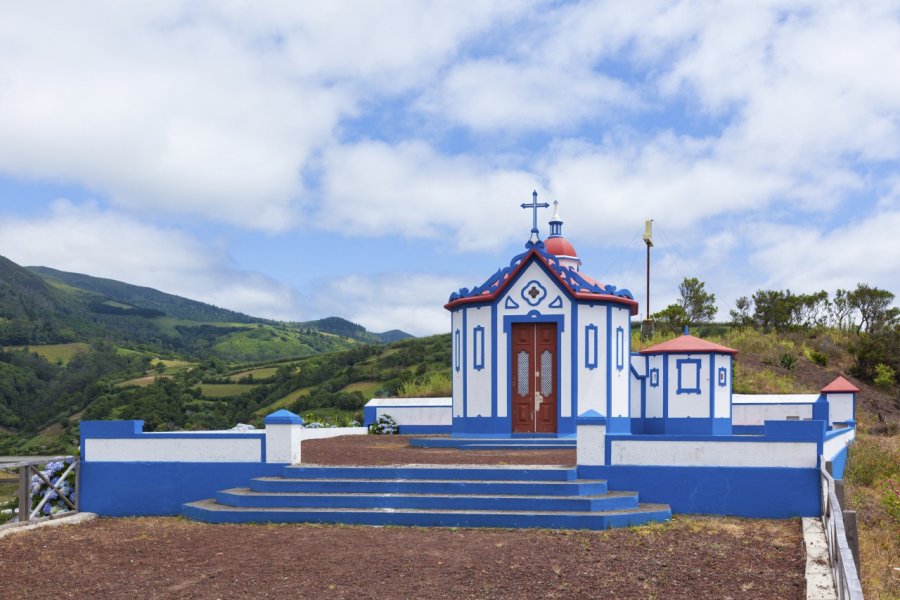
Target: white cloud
{"x": 412, "y": 302}
{"x": 807, "y": 259}
{"x": 375, "y": 189}
{"x": 86, "y": 239}
{"x": 211, "y": 109}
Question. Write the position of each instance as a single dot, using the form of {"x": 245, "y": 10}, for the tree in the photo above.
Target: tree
{"x": 773, "y": 309}
{"x": 811, "y": 310}
{"x": 873, "y": 306}
{"x": 699, "y": 305}
{"x": 740, "y": 315}
{"x": 672, "y": 318}
{"x": 842, "y": 309}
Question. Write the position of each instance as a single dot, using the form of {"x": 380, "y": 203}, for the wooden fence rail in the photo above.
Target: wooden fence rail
{"x": 842, "y": 537}
{"x": 54, "y": 488}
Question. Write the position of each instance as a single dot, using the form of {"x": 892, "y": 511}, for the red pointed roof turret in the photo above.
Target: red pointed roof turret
{"x": 840, "y": 386}
{"x": 688, "y": 344}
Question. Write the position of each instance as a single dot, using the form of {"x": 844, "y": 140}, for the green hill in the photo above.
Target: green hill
{"x": 343, "y": 327}
{"x": 125, "y": 297}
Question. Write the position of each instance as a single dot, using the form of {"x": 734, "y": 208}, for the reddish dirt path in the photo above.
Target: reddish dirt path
{"x": 393, "y": 450}
{"x": 690, "y": 557}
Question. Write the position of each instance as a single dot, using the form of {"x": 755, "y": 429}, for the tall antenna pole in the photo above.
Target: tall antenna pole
{"x": 647, "y": 325}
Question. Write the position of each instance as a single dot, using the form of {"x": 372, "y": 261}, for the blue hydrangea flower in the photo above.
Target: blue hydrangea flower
{"x": 46, "y": 510}
{"x": 69, "y": 460}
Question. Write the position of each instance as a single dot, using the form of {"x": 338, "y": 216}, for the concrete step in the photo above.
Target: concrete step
{"x": 244, "y": 497}
{"x": 484, "y": 487}
{"x": 466, "y": 472}
{"x": 212, "y": 512}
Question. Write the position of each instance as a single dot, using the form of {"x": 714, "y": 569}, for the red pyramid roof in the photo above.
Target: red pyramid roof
{"x": 685, "y": 344}
{"x": 840, "y": 385}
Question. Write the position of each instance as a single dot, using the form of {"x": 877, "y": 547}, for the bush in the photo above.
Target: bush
{"x": 884, "y": 376}
{"x": 818, "y": 358}
{"x": 385, "y": 425}
{"x": 787, "y": 360}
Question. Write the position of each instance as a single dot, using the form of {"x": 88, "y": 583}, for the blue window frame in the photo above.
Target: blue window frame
{"x": 723, "y": 376}
{"x": 456, "y": 350}
{"x": 620, "y": 348}
{"x": 688, "y": 375}
{"x": 478, "y": 348}
{"x": 654, "y": 377}
{"x": 590, "y": 346}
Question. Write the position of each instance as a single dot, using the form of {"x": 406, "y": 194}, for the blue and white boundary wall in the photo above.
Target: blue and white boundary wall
{"x": 413, "y": 415}
{"x": 126, "y": 471}
{"x": 750, "y": 411}
{"x": 774, "y": 474}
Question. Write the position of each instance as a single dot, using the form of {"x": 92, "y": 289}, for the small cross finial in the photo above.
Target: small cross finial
{"x": 535, "y": 236}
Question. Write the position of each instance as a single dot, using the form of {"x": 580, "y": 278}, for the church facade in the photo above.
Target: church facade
{"x": 538, "y": 344}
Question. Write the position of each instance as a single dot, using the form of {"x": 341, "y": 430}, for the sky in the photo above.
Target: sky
{"x": 297, "y": 160}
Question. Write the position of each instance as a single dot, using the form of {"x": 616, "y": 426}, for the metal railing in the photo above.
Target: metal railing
{"x": 841, "y": 534}
{"x": 32, "y": 474}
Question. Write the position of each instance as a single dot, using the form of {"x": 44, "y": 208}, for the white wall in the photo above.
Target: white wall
{"x": 756, "y": 414}
{"x": 837, "y": 443}
{"x": 840, "y": 408}
{"x": 714, "y": 454}
{"x": 723, "y": 394}
{"x": 456, "y": 324}
{"x": 592, "y": 382}
{"x": 621, "y": 317}
{"x": 478, "y": 382}
{"x": 688, "y": 405}
{"x": 417, "y": 415}
{"x": 190, "y": 448}
{"x": 639, "y": 363}
{"x": 654, "y": 405}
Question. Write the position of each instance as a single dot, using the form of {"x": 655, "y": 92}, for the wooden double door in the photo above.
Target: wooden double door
{"x": 534, "y": 378}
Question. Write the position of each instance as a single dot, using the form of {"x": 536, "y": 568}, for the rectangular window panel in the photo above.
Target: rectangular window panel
{"x": 688, "y": 375}
{"x": 723, "y": 376}
{"x": 456, "y": 350}
{"x": 478, "y": 348}
{"x": 654, "y": 377}
{"x": 620, "y": 348}
{"x": 590, "y": 346}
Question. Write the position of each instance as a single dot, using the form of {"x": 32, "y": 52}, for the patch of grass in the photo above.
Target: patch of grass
{"x": 141, "y": 381}
{"x": 261, "y": 373}
{"x": 283, "y": 402}
{"x": 764, "y": 381}
{"x": 224, "y": 390}
{"x": 56, "y": 352}
{"x": 367, "y": 388}
{"x": 871, "y": 459}
{"x": 433, "y": 385}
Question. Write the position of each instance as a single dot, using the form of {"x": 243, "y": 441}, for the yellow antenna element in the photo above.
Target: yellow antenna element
{"x": 648, "y": 232}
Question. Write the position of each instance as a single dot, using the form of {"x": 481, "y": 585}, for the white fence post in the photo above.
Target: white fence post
{"x": 283, "y": 437}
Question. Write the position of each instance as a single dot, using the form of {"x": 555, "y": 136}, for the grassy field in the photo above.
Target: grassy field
{"x": 56, "y": 352}
{"x": 261, "y": 373}
{"x": 224, "y": 390}
{"x": 283, "y": 402}
{"x": 368, "y": 388}
{"x": 142, "y": 381}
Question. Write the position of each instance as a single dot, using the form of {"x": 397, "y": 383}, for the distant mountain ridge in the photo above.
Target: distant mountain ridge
{"x": 41, "y": 305}
{"x": 346, "y": 328}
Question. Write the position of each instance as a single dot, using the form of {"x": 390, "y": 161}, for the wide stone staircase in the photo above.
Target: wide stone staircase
{"x": 429, "y": 495}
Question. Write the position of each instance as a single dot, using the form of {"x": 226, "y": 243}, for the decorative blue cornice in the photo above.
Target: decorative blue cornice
{"x": 572, "y": 278}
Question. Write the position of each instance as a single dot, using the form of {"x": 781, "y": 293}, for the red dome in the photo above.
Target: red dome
{"x": 560, "y": 246}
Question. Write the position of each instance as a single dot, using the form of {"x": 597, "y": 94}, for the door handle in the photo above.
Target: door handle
{"x": 538, "y": 400}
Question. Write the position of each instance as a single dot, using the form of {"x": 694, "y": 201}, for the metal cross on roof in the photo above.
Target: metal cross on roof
{"x": 534, "y": 206}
